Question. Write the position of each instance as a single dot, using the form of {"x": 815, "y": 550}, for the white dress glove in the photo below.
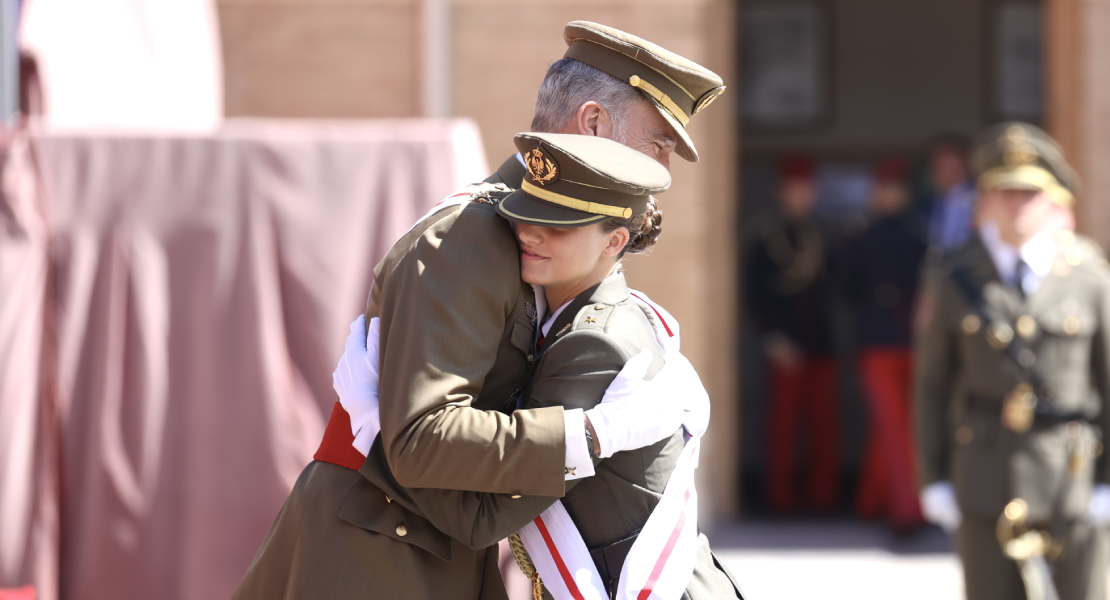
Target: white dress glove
{"x": 635, "y": 413}
{"x": 356, "y": 381}
{"x": 690, "y": 390}
{"x": 939, "y": 506}
{"x": 1098, "y": 511}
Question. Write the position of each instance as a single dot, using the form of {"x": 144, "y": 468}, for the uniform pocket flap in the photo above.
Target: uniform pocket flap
{"x": 522, "y": 336}
{"x": 367, "y": 507}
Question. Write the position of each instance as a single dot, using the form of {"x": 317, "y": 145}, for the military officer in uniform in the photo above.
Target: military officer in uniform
{"x": 456, "y": 352}
{"x": 1013, "y": 374}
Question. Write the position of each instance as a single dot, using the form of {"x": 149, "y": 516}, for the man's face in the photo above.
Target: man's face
{"x": 648, "y": 132}
{"x": 947, "y": 168}
{"x": 1021, "y": 214}
{"x": 796, "y": 196}
{"x": 645, "y": 130}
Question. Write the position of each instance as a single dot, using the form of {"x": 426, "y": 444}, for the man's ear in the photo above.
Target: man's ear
{"x": 592, "y": 119}
{"x": 618, "y": 239}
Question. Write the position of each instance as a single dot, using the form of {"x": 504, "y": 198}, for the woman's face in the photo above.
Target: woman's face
{"x": 578, "y": 257}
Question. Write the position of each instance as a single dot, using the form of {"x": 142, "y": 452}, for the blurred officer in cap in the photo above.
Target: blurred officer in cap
{"x": 457, "y": 347}
{"x": 789, "y": 291}
{"x": 1013, "y": 375}
{"x": 881, "y": 276}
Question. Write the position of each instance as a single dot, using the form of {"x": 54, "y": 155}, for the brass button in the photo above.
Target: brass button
{"x": 599, "y": 307}
{"x": 515, "y": 495}
{"x": 964, "y": 435}
{"x": 402, "y": 530}
{"x": 970, "y": 325}
{"x": 1071, "y": 324}
{"x": 1026, "y": 326}
{"x": 531, "y": 358}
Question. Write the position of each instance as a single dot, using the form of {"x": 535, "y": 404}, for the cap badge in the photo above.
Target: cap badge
{"x": 708, "y": 99}
{"x": 541, "y": 168}
{"x": 1019, "y": 151}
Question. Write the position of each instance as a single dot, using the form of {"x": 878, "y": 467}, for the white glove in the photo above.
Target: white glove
{"x": 1098, "y": 511}
{"x": 938, "y": 505}
{"x": 356, "y": 381}
{"x": 635, "y": 413}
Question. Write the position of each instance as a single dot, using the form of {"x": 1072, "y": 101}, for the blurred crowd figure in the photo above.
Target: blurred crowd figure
{"x": 799, "y": 269}
{"x": 789, "y": 281}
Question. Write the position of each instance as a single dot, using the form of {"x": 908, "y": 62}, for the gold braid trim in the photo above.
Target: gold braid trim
{"x": 525, "y": 563}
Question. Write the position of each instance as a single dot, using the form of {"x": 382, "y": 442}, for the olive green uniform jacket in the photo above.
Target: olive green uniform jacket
{"x": 587, "y": 345}
{"x": 455, "y": 332}
{"x": 961, "y": 380}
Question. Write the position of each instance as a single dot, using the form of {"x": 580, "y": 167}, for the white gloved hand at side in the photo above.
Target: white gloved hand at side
{"x": 1098, "y": 511}
{"x": 635, "y": 413}
{"x": 939, "y": 506}
{"x": 689, "y": 389}
{"x": 356, "y": 381}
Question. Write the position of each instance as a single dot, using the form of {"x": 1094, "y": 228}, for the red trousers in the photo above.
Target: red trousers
{"x": 888, "y": 477}
{"x": 804, "y": 395}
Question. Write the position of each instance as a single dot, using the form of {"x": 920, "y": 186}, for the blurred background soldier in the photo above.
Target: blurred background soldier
{"x": 1013, "y": 373}
{"x": 953, "y": 197}
{"x": 788, "y": 281}
{"x": 881, "y": 273}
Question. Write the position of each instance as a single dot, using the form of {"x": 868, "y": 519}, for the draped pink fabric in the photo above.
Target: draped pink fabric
{"x": 172, "y": 309}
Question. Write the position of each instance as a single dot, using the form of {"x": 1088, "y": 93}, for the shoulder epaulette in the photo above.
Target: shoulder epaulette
{"x": 594, "y": 316}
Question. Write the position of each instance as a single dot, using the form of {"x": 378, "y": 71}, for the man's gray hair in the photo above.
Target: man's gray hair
{"x": 569, "y": 84}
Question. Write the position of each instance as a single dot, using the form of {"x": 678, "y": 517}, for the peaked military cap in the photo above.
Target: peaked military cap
{"x": 576, "y": 180}
{"x": 679, "y": 87}
{"x": 1021, "y": 156}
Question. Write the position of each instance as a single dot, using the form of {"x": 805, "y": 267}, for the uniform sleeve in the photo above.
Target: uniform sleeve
{"x": 443, "y": 308}
{"x": 574, "y": 374}
{"x": 1100, "y": 369}
{"x": 933, "y": 379}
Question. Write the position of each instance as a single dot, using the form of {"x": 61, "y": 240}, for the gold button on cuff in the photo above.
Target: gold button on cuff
{"x": 402, "y": 530}
{"x": 1071, "y": 324}
{"x": 964, "y": 435}
{"x": 970, "y": 325}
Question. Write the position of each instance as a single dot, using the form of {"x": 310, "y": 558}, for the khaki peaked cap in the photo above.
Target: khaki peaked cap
{"x": 1022, "y": 156}
{"x": 576, "y": 180}
{"x": 679, "y": 87}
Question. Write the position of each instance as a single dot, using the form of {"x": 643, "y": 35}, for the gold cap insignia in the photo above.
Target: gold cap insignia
{"x": 542, "y": 169}
{"x": 1019, "y": 151}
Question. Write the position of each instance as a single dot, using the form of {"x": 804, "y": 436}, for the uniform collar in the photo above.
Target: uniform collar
{"x": 612, "y": 290}
{"x": 510, "y": 173}
{"x": 1039, "y": 252}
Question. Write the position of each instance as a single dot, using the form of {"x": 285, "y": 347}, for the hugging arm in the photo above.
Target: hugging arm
{"x": 574, "y": 374}
{"x": 443, "y": 310}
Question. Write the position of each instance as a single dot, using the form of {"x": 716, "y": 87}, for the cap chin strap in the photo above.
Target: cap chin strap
{"x": 576, "y": 204}
{"x": 663, "y": 99}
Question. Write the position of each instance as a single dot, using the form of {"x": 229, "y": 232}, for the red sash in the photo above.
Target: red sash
{"x": 337, "y": 447}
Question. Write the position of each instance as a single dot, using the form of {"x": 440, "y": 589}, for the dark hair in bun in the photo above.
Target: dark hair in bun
{"x": 644, "y": 229}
